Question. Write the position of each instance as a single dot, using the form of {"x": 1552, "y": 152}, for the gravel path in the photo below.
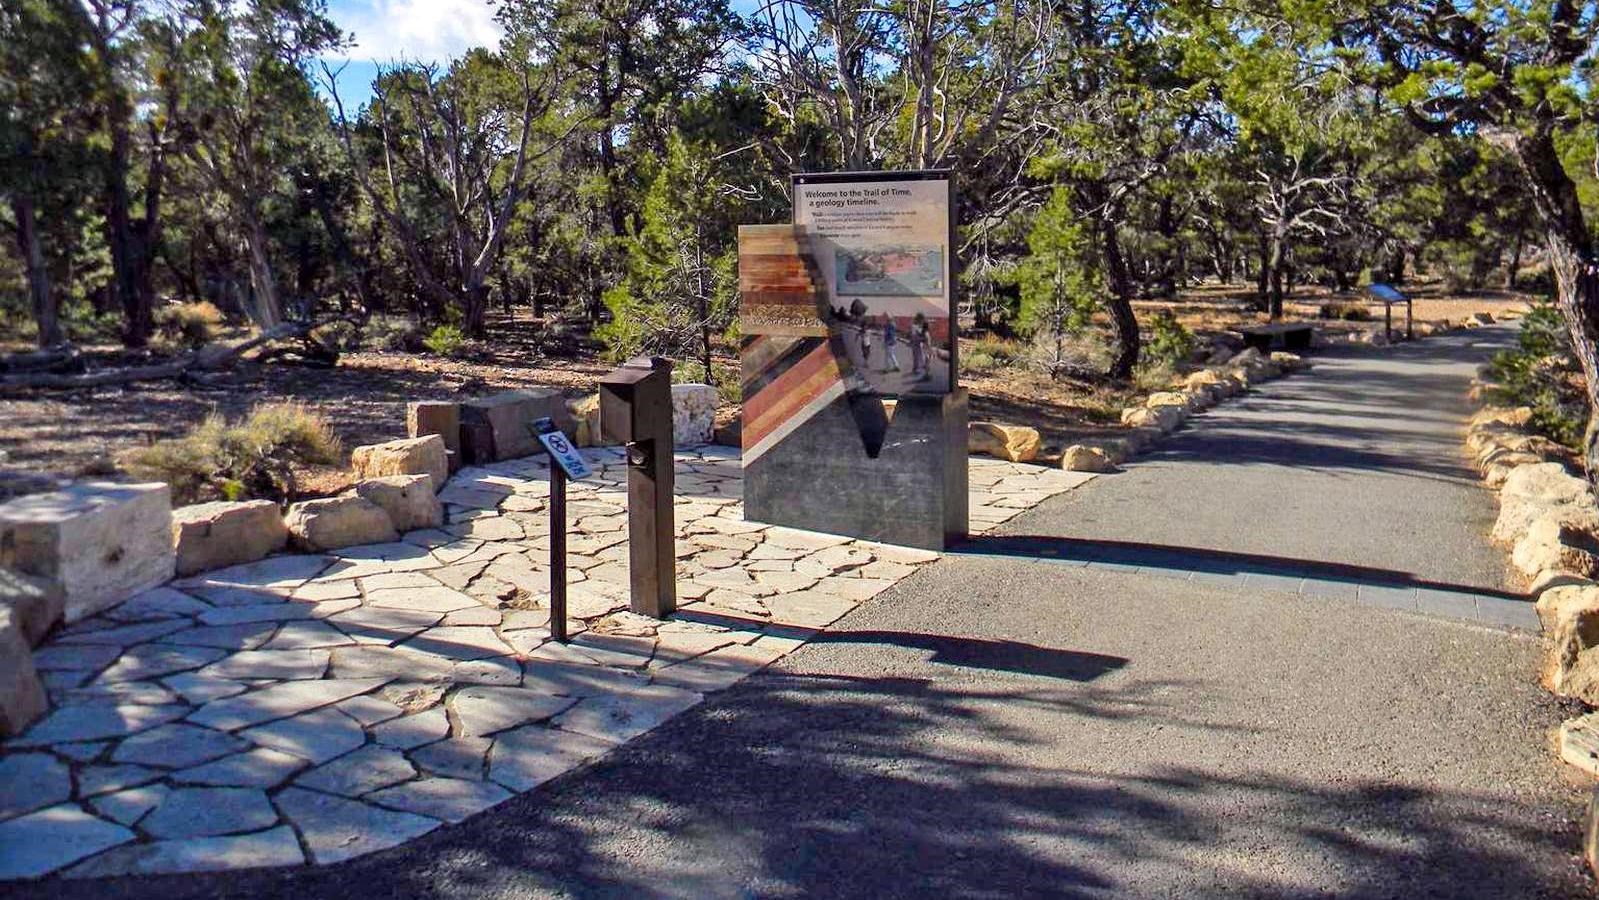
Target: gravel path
{"x": 1011, "y": 724}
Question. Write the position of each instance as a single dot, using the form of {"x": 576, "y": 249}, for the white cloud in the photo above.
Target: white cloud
{"x": 424, "y": 30}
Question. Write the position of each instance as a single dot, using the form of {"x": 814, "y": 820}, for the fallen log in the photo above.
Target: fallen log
{"x": 210, "y": 358}
{"x": 48, "y": 358}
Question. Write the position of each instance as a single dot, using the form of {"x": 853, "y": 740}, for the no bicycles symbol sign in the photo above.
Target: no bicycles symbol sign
{"x": 561, "y": 450}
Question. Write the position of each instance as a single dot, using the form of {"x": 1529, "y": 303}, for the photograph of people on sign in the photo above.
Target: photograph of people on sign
{"x": 881, "y": 242}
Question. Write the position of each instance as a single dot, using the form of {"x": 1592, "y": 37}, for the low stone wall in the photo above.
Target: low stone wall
{"x": 1142, "y": 426}
{"x": 1549, "y": 522}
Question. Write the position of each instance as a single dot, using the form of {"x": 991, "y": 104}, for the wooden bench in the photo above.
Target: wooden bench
{"x": 1294, "y": 337}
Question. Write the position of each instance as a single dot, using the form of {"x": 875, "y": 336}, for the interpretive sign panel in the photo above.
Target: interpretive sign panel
{"x": 882, "y": 244}
{"x": 561, "y": 450}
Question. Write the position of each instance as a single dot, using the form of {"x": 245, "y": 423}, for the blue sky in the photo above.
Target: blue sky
{"x": 389, "y": 30}
{"x": 425, "y": 30}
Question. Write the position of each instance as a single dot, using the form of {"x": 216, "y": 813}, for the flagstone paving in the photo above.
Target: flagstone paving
{"x": 314, "y": 708}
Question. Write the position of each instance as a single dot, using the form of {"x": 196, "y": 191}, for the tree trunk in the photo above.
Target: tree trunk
{"x": 1571, "y": 259}
{"x": 1263, "y": 273}
{"x": 265, "y": 310}
{"x": 1515, "y": 263}
{"x": 137, "y": 317}
{"x": 1272, "y": 275}
{"x": 1120, "y": 305}
{"x": 45, "y": 310}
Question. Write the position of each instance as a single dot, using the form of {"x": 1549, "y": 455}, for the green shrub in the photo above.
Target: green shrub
{"x": 1347, "y": 310}
{"x": 191, "y": 325}
{"x": 445, "y": 340}
{"x": 1169, "y": 342}
{"x": 1543, "y": 374}
{"x": 253, "y": 458}
{"x": 386, "y": 332}
{"x": 983, "y": 355}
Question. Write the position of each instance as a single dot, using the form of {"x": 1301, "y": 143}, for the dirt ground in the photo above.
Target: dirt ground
{"x": 78, "y": 433}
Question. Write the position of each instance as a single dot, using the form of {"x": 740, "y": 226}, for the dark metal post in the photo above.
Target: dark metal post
{"x": 652, "y": 557}
{"x": 1388, "y": 320}
{"x": 636, "y": 409}
{"x": 1410, "y": 318}
{"x": 557, "y": 553}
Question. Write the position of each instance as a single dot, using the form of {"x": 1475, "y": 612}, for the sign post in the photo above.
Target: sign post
{"x": 565, "y": 462}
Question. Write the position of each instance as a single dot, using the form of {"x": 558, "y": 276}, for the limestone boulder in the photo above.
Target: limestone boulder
{"x": 22, "y": 697}
{"x": 585, "y": 413}
{"x": 1477, "y": 320}
{"x": 408, "y": 499}
{"x": 1290, "y": 362}
{"x": 1562, "y": 540}
{"x": 1531, "y": 491}
{"x": 1249, "y": 356}
{"x": 1137, "y": 439}
{"x": 412, "y": 456}
{"x": 98, "y": 543}
{"x": 36, "y": 604}
{"x": 1571, "y": 660}
{"x": 1563, "y": 599}
{"x": 499, "y": 427}
{"x": 334, "y": 522}
{"x": 1496, "y": 473}
{"x": 1202, "y": 398}
{"x": 1170, "y": 398}
{"x": 693, "y": 414}
{"x": 1086, "y": 458}
{"x": 1212, "y": 380}
{"x": 1220, "y": 355}
{"x": 1578, "y": 743}
{"x": 217, "y": 535}
{"x": 1165, "y": 418}
{"x": 1517, "y": 417}
{"x": 1017, "y": 443}
{"x": 438, "y": 417}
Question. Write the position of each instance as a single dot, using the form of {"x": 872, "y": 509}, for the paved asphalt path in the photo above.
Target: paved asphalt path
{"x": 1001, "y": 726}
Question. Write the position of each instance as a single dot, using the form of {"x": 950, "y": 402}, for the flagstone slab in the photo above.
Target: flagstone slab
{"x": 336, "y": 828}
{"x": 449, "y": 799}
{"x": 456, "y": 757}
{"x": 524, "y": 758}
{"x": 262, "y": 767}
{"x": 307, "y": 635}
{"x": 177, "y": 745}
{"x": 281, "y": 611}
{"x": 156, "y": 603}
{"x": 360, "y": 772}
{"x": 621, "y": 717}
{"x": 372, "y": 625}
{"x": 30, "y": 781}
{"x": 95, "y": 721}
{"x": 44, "y": 841}
{"x": 413, "y": 730}
{"x": 208, "y": 812}
{"x": 485, "y": 709}
{"x": 317, "y": 736}
{"x": 75, "y": 657}
{"x": 125, "y": 635}
{"x": 460, "y": 643}
{"x": 276, "y": 572}
{"x": 199, "y": 688}
{"x": 245, "y": 636}
{"x": 369, "y": 710}
{"x": 279, "y": 701}
{"x": 129, "y": 806}
{"x": 94, "y": 780}
{"x": 143, "y": 693}
{"x": 285, "y": 665}
{"x": 273, "y": 847}
{"x": 320, "y": 591}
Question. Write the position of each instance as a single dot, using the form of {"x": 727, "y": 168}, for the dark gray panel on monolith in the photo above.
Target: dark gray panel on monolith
{"x": 821, "y": 476}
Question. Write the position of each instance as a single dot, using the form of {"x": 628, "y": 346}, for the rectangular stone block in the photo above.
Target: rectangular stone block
{"x": 217, "y": 535}
{"x": 36, "y": 604}
{"x": 100, "y": 542}
{"x": 496, "y": 428}
{"x": 913, "y": 491}
{"x": 21, "y": 695}
{"x": 439, "y": 417}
